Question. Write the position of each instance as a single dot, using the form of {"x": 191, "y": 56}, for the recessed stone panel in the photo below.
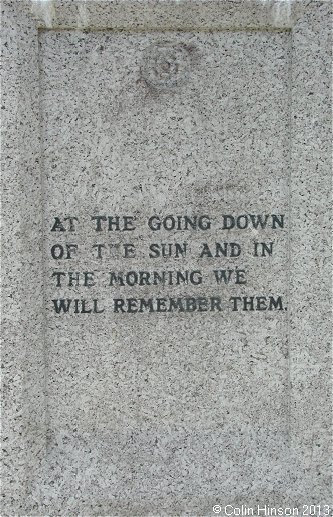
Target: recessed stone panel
{"x": 170, "y": 152}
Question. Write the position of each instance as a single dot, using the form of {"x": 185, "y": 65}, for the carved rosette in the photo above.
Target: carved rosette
{"x": 165, "y": 65}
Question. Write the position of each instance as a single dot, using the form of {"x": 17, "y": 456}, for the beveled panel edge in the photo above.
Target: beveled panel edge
{"x": 163, "y": 15}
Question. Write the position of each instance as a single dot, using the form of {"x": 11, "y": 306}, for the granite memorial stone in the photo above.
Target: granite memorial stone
{"x": 166, "y": 260}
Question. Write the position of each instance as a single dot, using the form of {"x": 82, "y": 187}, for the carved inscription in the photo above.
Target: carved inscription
{"x": 217, "y": 263}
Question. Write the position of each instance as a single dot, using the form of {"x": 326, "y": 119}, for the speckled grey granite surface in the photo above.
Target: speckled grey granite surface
{"x": 141, "y": 109}
{"x": 23, "y": 430}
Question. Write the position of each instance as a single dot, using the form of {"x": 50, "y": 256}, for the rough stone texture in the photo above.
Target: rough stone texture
{"x": 23, "y": 362}
{"x": 310, "y": 340}
{"x": 166, "y": 414}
